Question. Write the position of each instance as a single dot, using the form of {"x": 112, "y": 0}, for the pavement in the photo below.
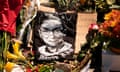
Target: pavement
{"x": 83, "y": 22}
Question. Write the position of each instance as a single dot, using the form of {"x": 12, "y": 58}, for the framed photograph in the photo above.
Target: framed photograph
{"x": 54, "y": 36}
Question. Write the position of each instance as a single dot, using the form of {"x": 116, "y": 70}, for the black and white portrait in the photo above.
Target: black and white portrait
{"x": 54, "y": 36}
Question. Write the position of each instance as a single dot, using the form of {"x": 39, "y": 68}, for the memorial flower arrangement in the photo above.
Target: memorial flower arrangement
{"x": 111, "y": 28}
{"x": 23, "y": 60}
{"x": 108, "y": 34}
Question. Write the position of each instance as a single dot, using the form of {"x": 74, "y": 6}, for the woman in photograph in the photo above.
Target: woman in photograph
{"x": 51, "y": 32}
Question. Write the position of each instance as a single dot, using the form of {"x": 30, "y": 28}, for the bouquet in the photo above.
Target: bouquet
{"x": 111, "y": 26}
{"x": 108, "y": 34}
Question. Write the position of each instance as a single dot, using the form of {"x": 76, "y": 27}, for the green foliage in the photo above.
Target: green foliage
{"x": 67, "y": 4}
{"x": 101, "y": 5}
{"x": 45, "y": 68}
{"x": 4, "y": 45}
{"x": 64, "y": 5}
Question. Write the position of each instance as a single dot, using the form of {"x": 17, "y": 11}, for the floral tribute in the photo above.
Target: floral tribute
{"x": 111, "y": 26}
{"x": 108, "y": 33}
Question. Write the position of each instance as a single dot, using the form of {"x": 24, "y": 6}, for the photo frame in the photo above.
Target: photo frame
{"x": 58, "y": 24}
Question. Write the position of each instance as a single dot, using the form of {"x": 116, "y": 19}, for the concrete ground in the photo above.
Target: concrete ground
{"x": 83, "y": 22}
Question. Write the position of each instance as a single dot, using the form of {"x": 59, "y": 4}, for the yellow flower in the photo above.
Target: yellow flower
{"x": 9, "y": 66}
{"x": 17, "y": 51}
{"x": 16, "y": 47}
{"x": 107, "y": 16}
{"x": 113, "y": 23}
{"x": 11, "y": 56}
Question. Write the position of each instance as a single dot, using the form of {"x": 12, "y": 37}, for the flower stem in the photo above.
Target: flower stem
{"x": 4, "y": 47}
